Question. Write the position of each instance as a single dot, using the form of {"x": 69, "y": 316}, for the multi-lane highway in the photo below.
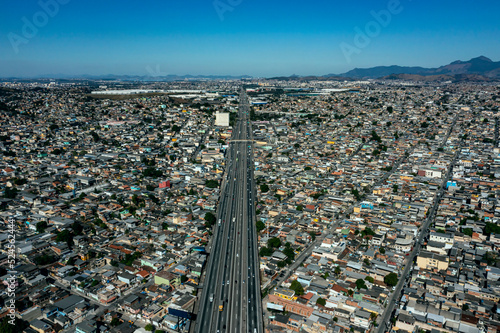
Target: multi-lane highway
{"x": 231, "y": 299}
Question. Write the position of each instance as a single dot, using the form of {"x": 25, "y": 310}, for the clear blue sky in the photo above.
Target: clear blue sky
{"x": 258, "y": 38}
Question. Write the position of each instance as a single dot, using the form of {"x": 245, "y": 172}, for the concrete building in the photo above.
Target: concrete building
{"x": 222, "y": 119}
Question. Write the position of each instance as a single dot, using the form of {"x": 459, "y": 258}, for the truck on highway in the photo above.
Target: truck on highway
{"x": 221, "y": 305}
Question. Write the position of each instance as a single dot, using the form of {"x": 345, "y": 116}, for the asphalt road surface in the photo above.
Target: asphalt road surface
{"x": 231, "y": 299}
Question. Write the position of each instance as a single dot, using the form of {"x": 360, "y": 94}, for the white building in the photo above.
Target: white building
{"x": 221, "y": 119}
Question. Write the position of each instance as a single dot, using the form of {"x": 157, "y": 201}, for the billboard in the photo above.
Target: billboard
{"x": 181, "y": 313}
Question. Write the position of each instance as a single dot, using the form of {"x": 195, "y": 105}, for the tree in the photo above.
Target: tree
{"x": 368, "y": 232}
{"x": 65, "y": 236}
{"x": 370, "y": 279}
{"x": 467, "y": 231}
{"x": 297, "y": 287}
{"x": 10, "y": 192}
{"x": 337, "y": 270}
{"x": 152, "y": 172}
{"x": 391, "y": 279}
{"x": 360, "y": 284}
{"x": 264, "y": 188}
{"x": 149, "y": 328}
{"x": 77, "y": 228}
{"x": 184, "y": 278}
{"x": 491, "y": 258}
{"x": 382, "y": 250}
{"x": 41, "y": 226}
{"x": 18, "y": 326}
{"x": 289, "y": 252}
{"x": 299, "y": 208}
{"x": 491, "y": 228}
{"x": 130, "y": 258}
{"x": 321, "y": 301}
{"x": 95, "y": 136}
{"x": 260, "y": 226}
{"x": 274, "y": 242}
{"x": 210, "y": 218}
{"x": 115, "y": 322}
{"x": 313, "y": 235}
{"x": 211, "y": 183}
{"x": 266, "y": 251}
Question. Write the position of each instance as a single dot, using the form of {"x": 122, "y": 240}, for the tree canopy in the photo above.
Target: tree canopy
{"x": 391, "y": 279}
{"x": 297, "y": 287}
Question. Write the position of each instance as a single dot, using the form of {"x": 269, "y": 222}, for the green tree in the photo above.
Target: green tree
{"x": 391, "y": 279}
{"x": 18, "y": 326}
{"x": 266, "y": 251}
{"x": 210, "y": 218}
{"x": 149, "y": 328}
{"x": 130, "y": 258}
{"x": 297, "y": 287}
{"x": 360, "y": 284}
{"x": 321, "y": 301}
{"x": 313, "y": 235}
{"x": 211, "y": 183}
{"x": 337, "y": 270}
{"x": 467, "y": 231}
{"x": 264, "y": 188}
{"x": 41, "y": 226}
{"x": 260, "y": 226}
{"x": 370, "y": 279}
{"x": 65, "y": 236}
{"x": 382, "y": 250}
{"x": 77, "y": 228}
{"x": 491, "y": 258}
{"x": 10, "y": 192}
{"x": 491, "y": 228}
{"x": 289, "y": 252}
{"x": 274, "y": 242}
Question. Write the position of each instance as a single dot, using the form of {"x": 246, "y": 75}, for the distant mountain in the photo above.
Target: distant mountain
{"x": 480, "y": 66}
{"x": 440, "y": 78}
{"x": 380, "y": 71}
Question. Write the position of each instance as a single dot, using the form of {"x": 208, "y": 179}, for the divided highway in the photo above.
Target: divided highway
{"x": 231, "y": 299}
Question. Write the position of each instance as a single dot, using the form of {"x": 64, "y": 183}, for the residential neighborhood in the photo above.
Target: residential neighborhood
{"x": 376, "y": 207}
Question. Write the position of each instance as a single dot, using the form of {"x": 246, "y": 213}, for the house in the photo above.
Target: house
{"x": 429, "y": 260}
{"x": 284, "y": 293}
{"x": 127, "y": 278}
{"x": 40, "y": 326}
{"x": 167, "y": 278}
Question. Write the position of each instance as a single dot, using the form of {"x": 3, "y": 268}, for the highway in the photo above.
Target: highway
{"x": 232, "y": 275}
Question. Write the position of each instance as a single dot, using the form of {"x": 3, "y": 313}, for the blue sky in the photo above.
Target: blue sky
{"x": 253, "y": 37}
